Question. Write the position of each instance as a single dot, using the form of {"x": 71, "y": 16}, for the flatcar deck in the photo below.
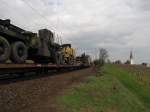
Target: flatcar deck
{"x": 19, "y": 66}
{"x": 25, "y": 66}
{"x": 37, "y": 68}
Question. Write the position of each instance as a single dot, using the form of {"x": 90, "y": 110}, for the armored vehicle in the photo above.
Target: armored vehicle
{"x": 19, "y": 45}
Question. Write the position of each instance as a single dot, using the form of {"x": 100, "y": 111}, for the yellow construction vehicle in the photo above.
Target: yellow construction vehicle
{"x": 68, "y": 54}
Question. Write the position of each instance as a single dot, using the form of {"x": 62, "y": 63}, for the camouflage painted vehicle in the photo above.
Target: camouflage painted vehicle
{"x": 18, "y": 45}
{"x": 84, "y": 60}
{"x": 68, "y": 54}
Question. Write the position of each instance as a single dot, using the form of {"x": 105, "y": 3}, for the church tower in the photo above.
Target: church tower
{"x": 131, "y": 58}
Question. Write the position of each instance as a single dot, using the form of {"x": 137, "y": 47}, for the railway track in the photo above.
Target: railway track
{"x": 9, "y": 71}
{"x": 38, "y": 93}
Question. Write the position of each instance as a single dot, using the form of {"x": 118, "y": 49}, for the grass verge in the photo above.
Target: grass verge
{"x": 111, "y": 90}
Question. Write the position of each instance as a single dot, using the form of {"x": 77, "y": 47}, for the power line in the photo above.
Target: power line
{"x": 18, "y": 12}
{"x": 36, "y": 11}
{"x": 39, "y": 14}
{"x": 42, "y": 16}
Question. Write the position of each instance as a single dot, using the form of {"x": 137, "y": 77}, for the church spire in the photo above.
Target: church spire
{"x": 131, "y": 55}
{"x": 131, "y": 58}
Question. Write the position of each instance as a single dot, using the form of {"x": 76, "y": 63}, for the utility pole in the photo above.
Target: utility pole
{"x": 99, "y": 55}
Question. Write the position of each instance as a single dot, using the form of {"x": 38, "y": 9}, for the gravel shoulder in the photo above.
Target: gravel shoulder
{"x": 38, "y": 94}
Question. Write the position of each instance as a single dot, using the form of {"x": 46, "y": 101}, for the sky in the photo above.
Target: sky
{"x": 116, "y": 25}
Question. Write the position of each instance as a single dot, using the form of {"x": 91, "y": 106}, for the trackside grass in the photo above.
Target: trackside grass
{"x": 113, "y": 89}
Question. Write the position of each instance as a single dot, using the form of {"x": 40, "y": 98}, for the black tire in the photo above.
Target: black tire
{"x": 72, "y": 61}
{"x": 4, "y": 49}
{"x": 19, "y": 52}
{"x": 69, "y": 61}
{"x": 58, "y": 58}
{"x": 61, "y": 59}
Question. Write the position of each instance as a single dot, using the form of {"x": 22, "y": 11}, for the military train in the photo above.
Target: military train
{"x": 17, "y": 46}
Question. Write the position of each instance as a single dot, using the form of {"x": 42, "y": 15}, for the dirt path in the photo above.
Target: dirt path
{"x": 38, "y": 95}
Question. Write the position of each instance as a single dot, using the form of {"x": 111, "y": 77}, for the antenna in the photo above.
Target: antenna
{"x": 60, "y": 40}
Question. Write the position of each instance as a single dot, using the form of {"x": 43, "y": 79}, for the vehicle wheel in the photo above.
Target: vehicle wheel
{"x": 72, "y": 61}
{"x": 61, "y": 59}
{"x": 4, "y": 49}
{"x": 69, "y": 61}
{"x": 19, "y": 52}
{"x": 58, "y": 58}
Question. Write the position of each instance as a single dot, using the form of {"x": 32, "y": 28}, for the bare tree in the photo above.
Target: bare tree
{"x": 118, "y": 62}
{"x": 103, "y": 55}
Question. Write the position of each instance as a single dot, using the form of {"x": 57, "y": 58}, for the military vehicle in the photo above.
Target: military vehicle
{"x": 68, "y": 54}
{"x": 83, "y": 60}
{"x": 19, "y": 45}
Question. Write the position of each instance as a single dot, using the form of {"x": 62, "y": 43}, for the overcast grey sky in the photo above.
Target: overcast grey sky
{"x": 117, "y": 25}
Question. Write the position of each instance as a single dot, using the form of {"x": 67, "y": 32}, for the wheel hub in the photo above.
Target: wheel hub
{"x": 1, "y": 50}
{"x": 20, "y": 52}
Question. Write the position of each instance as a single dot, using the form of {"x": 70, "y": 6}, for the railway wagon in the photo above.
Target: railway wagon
{"x": 18, "y": 45}
{"x": 23, "y": 51}
{"x": 84, "y": 60}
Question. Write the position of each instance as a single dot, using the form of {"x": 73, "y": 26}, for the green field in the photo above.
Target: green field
{"x": 114, "y": 88}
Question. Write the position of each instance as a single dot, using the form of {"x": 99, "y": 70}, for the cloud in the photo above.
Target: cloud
{"x": 117, "y": 25}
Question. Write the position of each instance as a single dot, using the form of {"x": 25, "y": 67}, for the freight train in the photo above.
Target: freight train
{"x": 18, "y": 45}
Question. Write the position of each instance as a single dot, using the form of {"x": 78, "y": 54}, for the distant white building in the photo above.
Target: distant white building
{"x": 148, "y": 65}
{"x": 131, "y": 58}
